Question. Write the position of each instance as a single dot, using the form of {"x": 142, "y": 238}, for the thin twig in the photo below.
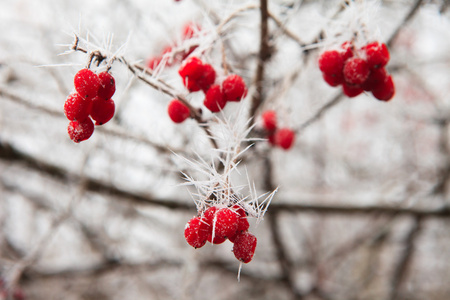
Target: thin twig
{"x": 405, "y": 258}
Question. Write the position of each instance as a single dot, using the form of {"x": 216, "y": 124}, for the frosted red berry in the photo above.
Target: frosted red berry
{"x": 86, "y": 83}
{"x": 356, "y": 70}
{"x": 209, "y": 217}
{"x": 234, "y": 88}
{"x": 271, "y": 139}
{"x": 178, "y": 111}
{"x": 334, "y": 79}
{"x": 351, "y": 90}
{"x": 243, "y": 224}
{"x": 102, "y": 110}
{"x": 190, "y": 71}
{"x": 107, "y": 85}
{"x": 377, "y": 55}
{"x": 76, "y": 108}
{"x": 269, "y": 118}
{"x": 80, "y": 130}
{"x": 206, "y": 78}
{"x": 209, "y": 214}
{"x": 331, "y": 62}
{"x": 347, "y": 50}
{"x": 376, "y": 78}
{"x": 226, "y": 222}
{"x": 244, "y": 247}
{"x": 285, "y": 138}
{"x": 385, "y": 91}
{"x": 196, "y": 233}
{"x": 214, "y": 99}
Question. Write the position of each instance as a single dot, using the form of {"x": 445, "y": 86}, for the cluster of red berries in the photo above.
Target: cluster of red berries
{"x": 17, "y": 294}
{"x": 281, "y": 137}
{"x": 196, "y": 76}
{"x": 359, "y": 70}
{"x": 216, "y": 225}
{"x": 90, "y": 102}
{"x": 189, "y": 31}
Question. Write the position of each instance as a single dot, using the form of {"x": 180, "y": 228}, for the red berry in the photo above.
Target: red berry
{"x": 351, "y": 90}
{"x": 284, "y": 138}
{"x": 226, "y": 222}
{"x": 271, "y": 139}
{"x": 196, "y": 232}
{"x": 214, "y": 99}
{"x": 190, "y": 71}
{"x": 356, "y": 70}
{"x": 102, "y": 110}
{"x": 178, "y": 111}
{"x": 376, "y": 78}
{"x": 207, "y": 77}
{"x": 244, "y": 247}
{"x": 217, "y": 239}
{"x": 348, "y": 51}
{"x": 191, "y": 66}
{"x": 107, "y": 85}
{"x": 269, "y": 118}
{"x": 377, "y": 55}
{"x": 209, "y": 214}
{"x": 234, "y": 88}
{"x": 86, "y": 83}
{"x": 331, "y": 62}
{"x": 333, "y": 80}
{"x": 243, "y": 224}
{"x": 386, "y": 91}
{"x": 77, "y": 108}
{"x": 209, "y": 218}
{"x": 80, "y": 130}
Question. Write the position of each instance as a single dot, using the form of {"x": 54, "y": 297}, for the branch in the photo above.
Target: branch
{"x": 338, "y": 98}
{"x": 407, "y": 18}
{"x": 265, "y": 53}
{"x": 405, "y": 259}
{"x": 11, "y": 154}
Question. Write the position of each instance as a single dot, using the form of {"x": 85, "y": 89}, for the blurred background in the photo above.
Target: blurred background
{"x": 361, "y": 210}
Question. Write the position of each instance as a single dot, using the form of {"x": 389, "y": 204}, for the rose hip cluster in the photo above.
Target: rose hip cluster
{"x": 217, "y": 224}
{"x": 359, "y": 70}
{"x": 281, "y": 137}
{"x": 90, "y": 102}
{"x": 200, "y": 76}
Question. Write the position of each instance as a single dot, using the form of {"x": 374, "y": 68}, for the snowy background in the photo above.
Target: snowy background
{"x": 361, "y": 207}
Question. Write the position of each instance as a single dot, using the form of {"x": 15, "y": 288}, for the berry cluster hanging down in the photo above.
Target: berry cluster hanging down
{"x": 280, "y": 137}
{"x": 90, "y": 102}
{"x": 359, "y": 70}
{"x": 200, "y": 76}
{"x": 217, "y": 224}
